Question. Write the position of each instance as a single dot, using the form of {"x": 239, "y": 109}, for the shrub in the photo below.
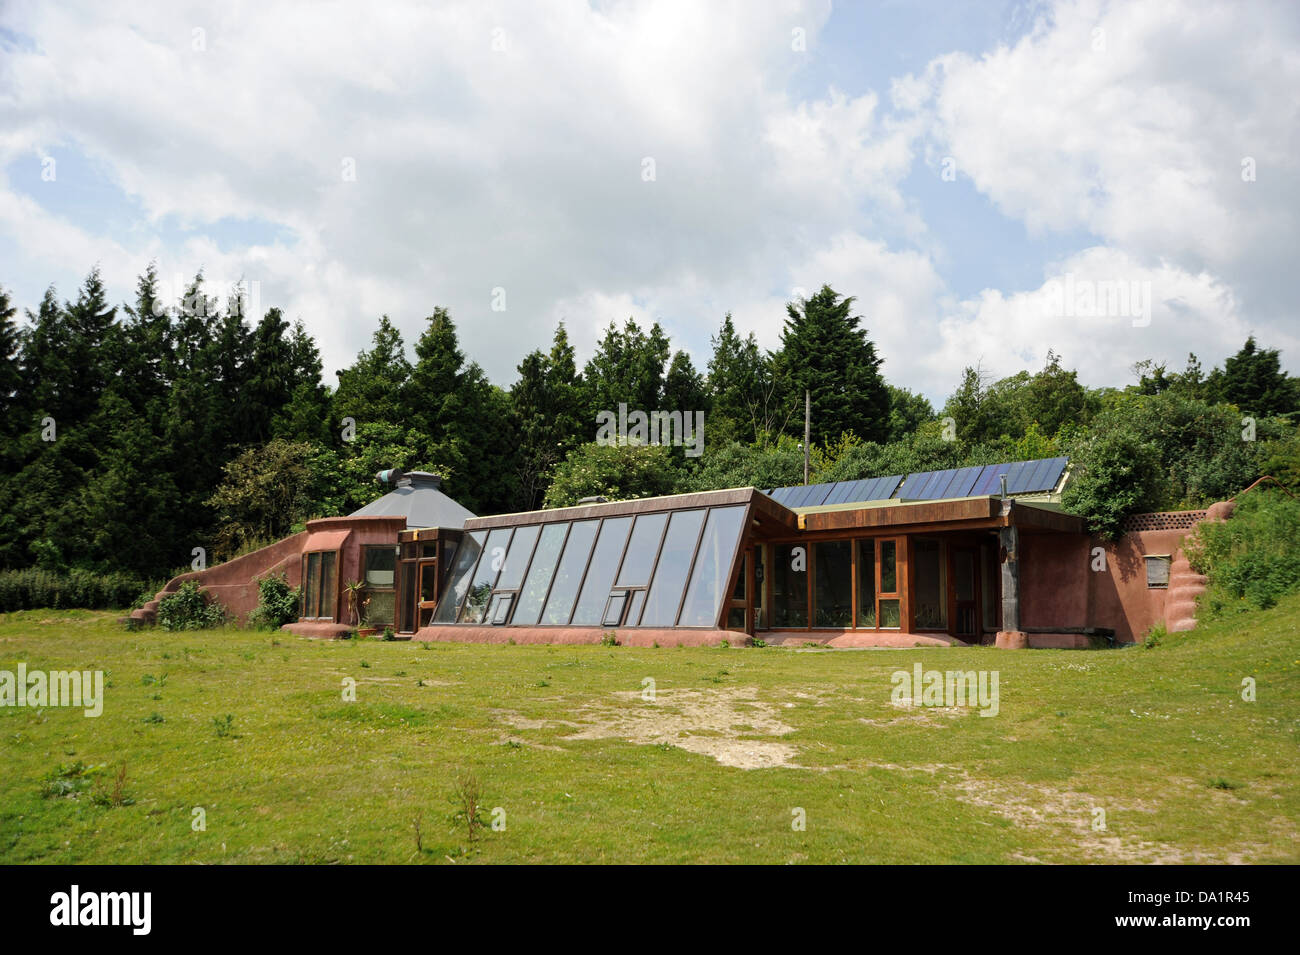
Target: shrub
{"x": 189, "y": 609}
{"x": 277, "y": 603}
{"x": 82, "y": 589}
{"x": 1253, "y": 558}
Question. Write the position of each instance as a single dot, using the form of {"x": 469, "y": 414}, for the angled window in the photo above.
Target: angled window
{"x": 569, "y": 573}
{"x": 467, "y": 555}
{"x": 590, "y": 609}
{"x": 712, "y": 572}
{"x": 532, "y": 595}
{"x": 485, "y": 576}
{"x": 319, "y": 590}
{"x": 674, "y": 565}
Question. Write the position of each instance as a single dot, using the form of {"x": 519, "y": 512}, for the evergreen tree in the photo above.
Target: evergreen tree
{"x": 741, "y": 388}
{"x": 547, "y": 404}
{"x": 825, "y": 351}
{"x": 1253, "y": 380}
{"x": 628, "y": 367}
{"x": 374, "y": 388}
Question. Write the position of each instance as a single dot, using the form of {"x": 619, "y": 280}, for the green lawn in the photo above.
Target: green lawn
{"x": 737, "y": 745}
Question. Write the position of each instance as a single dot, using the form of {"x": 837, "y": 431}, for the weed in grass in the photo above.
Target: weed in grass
{"x": 467, "y": 798}
{"x": 757, "y": 642}
{"x": 118, "y": 797}
{"x": 154, "y": 717}
{"x": 1221, "y": 783}
{"x": 365, "y": 665}
{"x": 609, "y": 639}
{"x": 419, "y": 835}
{"x": 224, "y": 725}
{"x": 68, "y": 780}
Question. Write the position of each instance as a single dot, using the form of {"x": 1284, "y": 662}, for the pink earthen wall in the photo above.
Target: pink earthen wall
{"x": 234, "y": 583}
{"x": 1059, "y": 588}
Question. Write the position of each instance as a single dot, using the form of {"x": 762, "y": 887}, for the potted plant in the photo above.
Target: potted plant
{"x": 366, "y": 630}
{"x": 354, "y": 590}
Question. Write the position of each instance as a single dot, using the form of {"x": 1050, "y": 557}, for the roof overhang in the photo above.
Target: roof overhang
{"x": 763, "y": 509}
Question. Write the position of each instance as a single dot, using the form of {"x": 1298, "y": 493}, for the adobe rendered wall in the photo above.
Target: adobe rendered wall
{"x": 234, "y": 583}
{"x": 1059, "y": 587}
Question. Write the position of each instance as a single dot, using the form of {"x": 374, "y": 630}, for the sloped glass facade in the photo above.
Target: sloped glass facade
{"x": 661, "y": 569}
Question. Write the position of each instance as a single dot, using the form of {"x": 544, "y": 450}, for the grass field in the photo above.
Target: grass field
{"x": 737, "y": 747}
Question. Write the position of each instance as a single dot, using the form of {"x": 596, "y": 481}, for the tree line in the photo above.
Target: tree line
{"x": 134, "y": 434}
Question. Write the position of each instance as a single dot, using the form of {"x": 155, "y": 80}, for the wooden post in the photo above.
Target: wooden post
{"x": 807, "y": 430}
{"x": 1010, "y": 634}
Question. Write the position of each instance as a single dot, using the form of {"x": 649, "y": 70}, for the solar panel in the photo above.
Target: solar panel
{"x": 1023, "y": 477}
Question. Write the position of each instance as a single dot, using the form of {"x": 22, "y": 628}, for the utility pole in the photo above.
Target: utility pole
{"x": 807, "y": 429}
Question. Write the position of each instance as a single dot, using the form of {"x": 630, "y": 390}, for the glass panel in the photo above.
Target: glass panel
{"x": 521, "y": 548}
{"x": 528, "y": 608}
{"x": 931, "y": 592}
{"x": 381, "y": 566}
{"x": 409, "y": 597}
{"x": 964, "y": 575}
{"x": 458, "y": 580}
{"x": 890, "y": 614}
{"x": 328, "y": 589}
{"x": 988, "y": 585}
{"x": 604, "y": 563}
{"x": 499, "y": 612}
{"x": 712, "y": 570}
{"x": 742, "y": 579}
{"x": 833, "y": 584}
{"x": 429, "y": 581}
{"x": 311, "y": 585}
{"x": 641, "y": 550}
{"x": 382, "y": 608}
{"x": 485, "y": 575}
{"x": 888, "y": 567}
{"x": 736, "y": 618}
{"x": 429, "y": 549}
{"x": 409, "y": 550}
{"x": 568, "y": 574}
{"x": 614, "y": 609}
{"x": 790, "y": 585}
{"x": 866, "y": 583}
{"x": 634, "y": 612}
{"x": 674, "y": 564}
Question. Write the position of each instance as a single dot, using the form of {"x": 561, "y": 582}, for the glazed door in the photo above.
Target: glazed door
{"x": 964, "y": 574}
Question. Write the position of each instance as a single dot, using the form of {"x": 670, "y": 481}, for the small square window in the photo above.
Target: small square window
{"x": 500, "y": 611}
{"x": 1158, "y": 571}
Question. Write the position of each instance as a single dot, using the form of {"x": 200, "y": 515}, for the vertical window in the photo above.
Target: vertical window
{"x": 889, "y": 606}
{"x": 569, "y": 573}
{"x": 409, "y": 598}
{"x": 379, "y": 565}
{"x": 833, "y": 584}
{"x": 665, "y": 594}
{"x": 532, "y": 595}
{"x": 790, "y": 585}
{"x": 867, "y": 584}
{"x": 712, "y": 572}
{"x": 318, "y": 585}
{"x": 931, "y": 588}
{"x": 590, "y": 609}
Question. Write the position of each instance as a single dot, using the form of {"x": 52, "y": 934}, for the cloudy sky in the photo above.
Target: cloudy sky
{"x": 984, "y": 177}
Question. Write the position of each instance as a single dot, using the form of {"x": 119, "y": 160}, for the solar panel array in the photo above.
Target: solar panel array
{"x": 1023, "y": 477}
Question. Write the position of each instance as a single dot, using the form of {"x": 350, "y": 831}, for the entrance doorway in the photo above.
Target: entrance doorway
{"x": 964, "y": 572}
